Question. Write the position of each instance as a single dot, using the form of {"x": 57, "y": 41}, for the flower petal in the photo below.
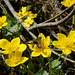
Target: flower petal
{"x": 22, "y": 47}
{"x": 72, "y": 35}
{"x": 10, "y": 63}
{"x": 23, "y": 59}
{"x": 0, "y": 27}
{"x": 60, "y": 36}
{"x": 4, "y": 24}
{"x": 4, "y": 52}
{"x": 46, "y": 53}
{"x": 15, "y": 41}
{"x": 73, "y": 49}
{"x": 4, "y": 43}
{"x": 58, "y": 44}
{"x": 42, "y": 36}
{"x": 3, "y": 19}
{"x": 66, "y": 51}
{"x": 46, "y": 42}
{"x": 35, "y": 54}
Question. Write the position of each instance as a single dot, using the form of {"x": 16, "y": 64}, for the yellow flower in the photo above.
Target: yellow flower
{"x": 28, "y": 22}
{"x": 31, "y": 15}
{"x": 65, "y": 43}
{"x": 14, "y": 45}
{"x": 42, "y": 47}
{"x": 2, "y": 21}
{"x": 68, "y": 3}
{"x": 22, "y": 13}
{"x": 15, "y": 59}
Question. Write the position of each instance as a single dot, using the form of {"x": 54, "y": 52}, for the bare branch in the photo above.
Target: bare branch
{"x": 54, "y": 23}
{"x": 72, "y": 61}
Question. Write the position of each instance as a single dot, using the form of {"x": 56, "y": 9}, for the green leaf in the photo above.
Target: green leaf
{"x": 42, "y": 72}
{"x": 21, "y": 71}
{"x": 30, "y": 65}
{"x": 14, "y": 29}
{"x": 50, "y": 62}
{"x": 28, "y": 7}
{"x": 57, "y": 64}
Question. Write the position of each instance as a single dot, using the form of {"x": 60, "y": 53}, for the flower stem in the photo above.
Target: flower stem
{"x": 55, "y": 63}
{"x": 57, "y": 60}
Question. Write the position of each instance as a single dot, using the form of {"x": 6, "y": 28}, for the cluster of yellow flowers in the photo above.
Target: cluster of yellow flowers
{"x": 30, "y": 16}
{"x": 2, "y": 21}
{"x": 14, "y": 49}
{"x": 68, "y": 3}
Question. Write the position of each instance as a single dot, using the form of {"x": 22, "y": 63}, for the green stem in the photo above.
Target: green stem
{"x": 55, "y": 63}
{"x": 57, "y": 60}
{"x": 30, "y": 72}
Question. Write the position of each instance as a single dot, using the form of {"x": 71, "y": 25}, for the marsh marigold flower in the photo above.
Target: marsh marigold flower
{"x": 42, "y": 47}
{"x": 22, "y": 13}
{"x": 67, "y": 44}
{"x": 15, "y": 59}
{"x": 2, "y": 21}
{"x": 14, "y": 45}
{"x": 68, "y": 3}
{"x": 28, "y": 22}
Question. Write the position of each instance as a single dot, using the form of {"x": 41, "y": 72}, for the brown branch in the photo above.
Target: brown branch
{"x": 59, "y": 13}
{"x": 54, "y": 23}
{"x": 72, "y": 61}
{"x": 14, "y": 14}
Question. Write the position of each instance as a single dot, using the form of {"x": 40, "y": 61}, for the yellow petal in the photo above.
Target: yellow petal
{"x": 35, "y": 54}
{"x": 3, "y": 19}
{"x": 18, "y": 54}
{"x": 46, "y": 53}
{"x": 46, "y": 42}
{"x": 58, "y": 44}
{"x": 4, "y": 52}
{"x": 60, "y": 36}
{"x": 0, "y": 27}
{"x": 27, "y": 25}
{"x": 22, "y": 47}
{"x": 72, "y": 35}
{"x": 66, "y": 51}
{"x": 4, "y": 43}
{"x": 30, "y": 46}
{"x": 23, "y": 59}
{"x": 4, "y": 24}
{"x": 42, "y": 36}
{"x": 10, "y": 63}
{"x": 73, "y": 47}
{"x": 15, "y": 41}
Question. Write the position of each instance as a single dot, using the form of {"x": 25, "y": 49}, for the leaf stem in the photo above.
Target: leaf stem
{"x": 55, "y": 63}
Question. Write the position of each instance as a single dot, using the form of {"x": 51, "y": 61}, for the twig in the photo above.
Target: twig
{"x": 73, "y": 19}
{"x": 53, "y": 33}
{"x": 2, "y": 7}
{"x": 14, "y": 14}
{"x": 72, "y": 61}
{"x": 54, "y": 23}
{"x": 59, "y": 13}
